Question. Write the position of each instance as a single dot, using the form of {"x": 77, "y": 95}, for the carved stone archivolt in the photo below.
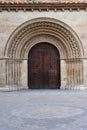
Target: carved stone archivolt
{"x": 43, "y": 26}
{"x": 46, "y": 30}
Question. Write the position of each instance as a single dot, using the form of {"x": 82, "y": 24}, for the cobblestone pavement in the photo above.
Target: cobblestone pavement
{"x": 43, "y": 110}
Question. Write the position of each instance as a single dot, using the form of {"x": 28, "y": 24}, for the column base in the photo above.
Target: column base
{"x": 13, "y": 88}
{"x": 5, "y": 88}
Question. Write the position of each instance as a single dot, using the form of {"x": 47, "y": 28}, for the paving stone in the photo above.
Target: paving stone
{"x": 43, "y": 110}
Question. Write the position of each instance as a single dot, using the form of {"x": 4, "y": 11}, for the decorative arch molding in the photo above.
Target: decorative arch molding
{"x": 46, "y": 30}
{"x": 44, "y": 26}
{"x": 24, "y": 49}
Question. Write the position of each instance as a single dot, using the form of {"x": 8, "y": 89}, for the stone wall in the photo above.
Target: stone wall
{"x": 9, "y": 21}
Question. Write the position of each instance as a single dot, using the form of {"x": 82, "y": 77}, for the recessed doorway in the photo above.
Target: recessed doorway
{"x": 44, "y": 67}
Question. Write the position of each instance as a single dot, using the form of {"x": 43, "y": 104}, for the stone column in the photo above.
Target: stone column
{"x": 24, "y": 74}
{"x": 85, "y": 73}
{"x": 2, "y": 74}
{"x": 13, "y": 74}
{"x": 63, "y": 74}
{"x": 74, "y": 73}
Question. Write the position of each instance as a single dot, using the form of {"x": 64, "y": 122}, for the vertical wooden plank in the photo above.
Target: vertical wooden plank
{"x": 44, "y": 67}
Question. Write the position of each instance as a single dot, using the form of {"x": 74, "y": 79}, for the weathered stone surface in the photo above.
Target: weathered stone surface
{"x": 43, "y": 110}
{"x": 9, "y": 21}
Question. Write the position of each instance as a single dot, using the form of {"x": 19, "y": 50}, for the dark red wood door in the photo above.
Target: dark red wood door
{"x": 44, "y": 67}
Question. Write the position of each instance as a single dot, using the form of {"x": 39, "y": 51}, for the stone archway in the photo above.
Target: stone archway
{"x": 44, "y": 30}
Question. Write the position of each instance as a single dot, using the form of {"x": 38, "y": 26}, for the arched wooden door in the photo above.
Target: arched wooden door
{"x": 44, "y": 67}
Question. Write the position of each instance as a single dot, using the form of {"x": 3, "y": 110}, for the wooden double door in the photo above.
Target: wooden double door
{"x": 44, "y": 67}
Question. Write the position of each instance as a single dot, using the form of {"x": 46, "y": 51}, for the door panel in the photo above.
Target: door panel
{"x": 44, "y": 67}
